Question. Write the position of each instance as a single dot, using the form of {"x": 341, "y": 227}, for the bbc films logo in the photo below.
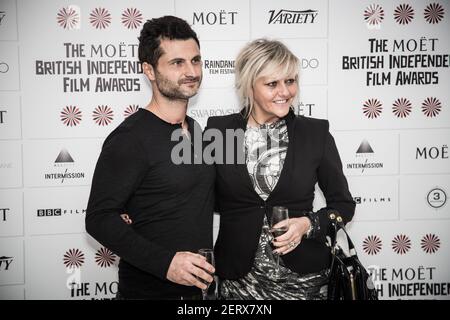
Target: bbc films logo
{"x": 371, "y": 200}
{"x": 365, "y": 153}
{"x": 64, "y": 161}
{"x": 437, "y": 198}
{"x": 58, "y": 212}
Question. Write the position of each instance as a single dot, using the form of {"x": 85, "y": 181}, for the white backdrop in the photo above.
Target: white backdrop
{"x": 68, "y": 77}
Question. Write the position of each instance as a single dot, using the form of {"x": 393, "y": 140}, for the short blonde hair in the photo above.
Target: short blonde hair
{"x": 262, "y": 57}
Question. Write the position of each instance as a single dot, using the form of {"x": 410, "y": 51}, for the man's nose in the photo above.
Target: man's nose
{"x": 191, "y": 70}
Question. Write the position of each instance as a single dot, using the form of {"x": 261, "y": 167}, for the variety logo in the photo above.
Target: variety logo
{"x": 5, "y": 262}
{"x": 3, "y": 212}
{"x": 212, "y": 18}
{"x": 105, "y": 257}
{"x": 292, "y": 17}
{"x": 100, "y": 18}
{"x": 437, "y": 198}
{"x": 131, "y": 18}
{"x": 73, "y": 258}
{"x": 401, "y": 244}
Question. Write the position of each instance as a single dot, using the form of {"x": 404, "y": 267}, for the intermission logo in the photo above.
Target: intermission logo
{"x": 437, "y": 198}
{"x": 58, "y": 212}
{"x": 3, "y": 212}
{"x": 284, "y": 16}
{"x": 364, "y": 152}
{"x": 64, "y": 160}
{"x": 220, "y": 17}
{"x": 219, "y": 66}
{"x": 5, "y": 263}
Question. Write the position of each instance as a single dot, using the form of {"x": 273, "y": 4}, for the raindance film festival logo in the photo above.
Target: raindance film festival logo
{"x": 437, "y": 198}
{"x": 64, "y": 160}
{"x": 5, "y": 263}
{"x": 219, "y": 66}
{"x": 364, "y": 152}
{"x": 283, "y": 16}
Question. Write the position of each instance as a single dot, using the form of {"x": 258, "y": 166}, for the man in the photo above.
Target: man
{"x": 170, "y": 206}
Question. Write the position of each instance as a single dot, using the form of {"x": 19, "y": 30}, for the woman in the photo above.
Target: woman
{"x": 285, "y": 155}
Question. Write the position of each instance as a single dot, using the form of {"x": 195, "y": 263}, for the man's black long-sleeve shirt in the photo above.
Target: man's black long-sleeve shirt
{"x": 171, "y": 206}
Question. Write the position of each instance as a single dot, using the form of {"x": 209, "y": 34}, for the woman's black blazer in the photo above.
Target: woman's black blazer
{"x": 311, "y": 157}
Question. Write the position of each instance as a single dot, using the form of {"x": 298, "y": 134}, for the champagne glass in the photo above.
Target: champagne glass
{"x": 209, "y": 255}
{"x": 279, "y": 224}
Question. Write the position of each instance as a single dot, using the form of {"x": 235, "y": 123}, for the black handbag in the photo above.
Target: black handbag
{"x": 348, "y": 279}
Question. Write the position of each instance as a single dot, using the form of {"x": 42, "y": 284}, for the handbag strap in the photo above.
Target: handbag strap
{"x": 337, "y": 223}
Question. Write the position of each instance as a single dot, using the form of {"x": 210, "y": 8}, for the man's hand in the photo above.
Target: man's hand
{"x": 187, "y": 266}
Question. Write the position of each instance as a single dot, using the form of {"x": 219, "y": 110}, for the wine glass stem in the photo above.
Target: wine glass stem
{"x": 278, "y": 263}
{"x": 204, "y": 294}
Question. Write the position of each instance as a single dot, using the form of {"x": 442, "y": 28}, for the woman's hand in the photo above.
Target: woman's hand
{"x": 292, "y": 238}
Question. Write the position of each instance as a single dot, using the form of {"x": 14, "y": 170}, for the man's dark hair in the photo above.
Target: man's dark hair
{"x": 155, "y": 30}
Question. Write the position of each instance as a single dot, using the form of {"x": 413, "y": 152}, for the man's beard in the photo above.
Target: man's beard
{"x": 172, "y": 90}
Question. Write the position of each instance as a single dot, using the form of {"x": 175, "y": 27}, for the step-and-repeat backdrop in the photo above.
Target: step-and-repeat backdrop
{"x": 377, "y": 70}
